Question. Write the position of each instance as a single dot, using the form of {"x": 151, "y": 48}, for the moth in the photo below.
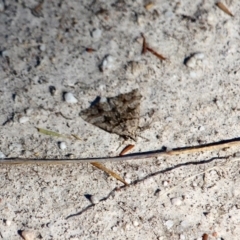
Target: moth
{"x": 119, "y": 114}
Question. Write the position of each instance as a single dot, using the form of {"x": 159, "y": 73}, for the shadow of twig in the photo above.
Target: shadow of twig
{"x": 145, "y": 178}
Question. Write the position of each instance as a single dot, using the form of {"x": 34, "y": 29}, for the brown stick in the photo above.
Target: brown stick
{"x": 159, "y": 153}
{"x": 156, "y": 54}
{"x": 144, "y": 45}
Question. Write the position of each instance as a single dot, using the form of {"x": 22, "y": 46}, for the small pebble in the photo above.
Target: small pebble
{"x": 94, "y": 199}
{"x": 191, "y": 62}
{"x": 169, "y": 224}
{"x": 42, "y": 47}
{"x": 69, "y": 98}
{"x": 193, "y": 74}
{"x": 194, "y": 184}
{"x": 184, "y": 224}
{"x": 8, "y": 222}
{"x": 127, "y": 180}
{"x": 2, "y": 155}
{"x": 96, "y": 33}
{"x": 165, "y": 183}
{"x": 115, "y": 229}
{"x": 135, "y": 223}
{"x": 23, "y": 119}
{"x": 176, "y": 201}
{"x": 199, "y": 55}
{"x": 28, "y": 235}
{"x": 5, "y": 53}
{"x": 182, "y": 237}
{"x": 62, "y": 145}
{"x": 29, "y": 111}
{"x": 107, "y": 63}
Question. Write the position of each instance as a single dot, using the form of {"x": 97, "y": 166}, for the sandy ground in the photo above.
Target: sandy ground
{"x": 189, "y": 99}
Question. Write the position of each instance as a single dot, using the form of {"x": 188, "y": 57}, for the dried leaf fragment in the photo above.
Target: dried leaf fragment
{"x": 50, "y": 133}
{"x": 76, "y": 137}
{"x": 224, "y": 8}
{"x": 126, "y": 149}
{"x": 108, "y": 171}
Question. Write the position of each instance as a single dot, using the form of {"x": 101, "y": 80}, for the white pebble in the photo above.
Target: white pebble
{"x": 194, "y": 184}
{"x": 127, "y": 180}
{"x": 211, "y": 19}
{"x": 23, "y": 119}
{"x": 199, "y": 55}
{"x": 96, "y": 33}
{"x": 62, "y": 145}
{"x": 107, "y": 63}
{"x": 191, "y": 62}
{"x": 165, "y": 183}
{"x": 184, "y": 224}
{"x": 5, "y": 53}
{"x": 169, "y": 224}
{"x": 42, "y": 47}
{"x": 176, "y": 201}
{"x": 8, "y": 222}
{"x": 182, "y": 237}
{"x": 28, "y": 235}
{"x": 94, "y": 199}
{"x": 69, "y": 98}
{"x": 115, "y": 229}
{"x": 29, "y": 111}
{"x": 2, "y": 155}
{"x": 135, "y": 223}
{"x": 193, "y": 74}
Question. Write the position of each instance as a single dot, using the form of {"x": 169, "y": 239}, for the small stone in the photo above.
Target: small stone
{"x": 23, "y": 119}
{"x": 42, "y": 47}
{"x": 127, "y": 180}
{"x": 199, "y": 55}
{"x": 2, "y": 155}
{"x": 135, "y": 223}
{"x": 94, "y": 199}
{"x": 69, "y": 98}
{"x": 182, "y": 237}
{"x": 96, "y": 33}
{"x": 107, "y": 63}
{"x": 193, "y": 74}
{"x": 8, "y": 222}
{"x": 194, "y": 184}
{"x": 191, "y": 62}
{"x": 5, "y": 53}
{"x": 29, "y": 111}
{"x": 28, "y": 235}
{"x": 165, "y": 183}
{"x": 184, "y": 224}
{"x": 62, "y": 145}
{"x": 115, "y": 229}
{"x": 169, "y": 224}
{"x": 176, "y": 201}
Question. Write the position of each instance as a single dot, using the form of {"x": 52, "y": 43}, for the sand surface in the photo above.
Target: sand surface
{"x": 190, "y": 98}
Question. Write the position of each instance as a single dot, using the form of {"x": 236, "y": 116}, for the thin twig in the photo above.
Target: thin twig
{"x": 158, "y": 55}
{"x": 159, "y": 153}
